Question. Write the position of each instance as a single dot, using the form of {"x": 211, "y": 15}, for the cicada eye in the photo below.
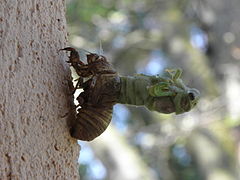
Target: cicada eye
{"x": 96, "y": 56}
{"x": 99, "y": 57}
{"x": 191, "y": 96}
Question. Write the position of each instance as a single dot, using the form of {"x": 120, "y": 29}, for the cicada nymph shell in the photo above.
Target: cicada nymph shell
{"x": 100, "y": 93}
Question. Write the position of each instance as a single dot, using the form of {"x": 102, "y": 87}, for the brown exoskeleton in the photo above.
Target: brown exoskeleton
{"x": 99, "y": 94}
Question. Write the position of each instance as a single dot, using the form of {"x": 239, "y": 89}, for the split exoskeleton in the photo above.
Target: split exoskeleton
{"x": 104, "y": 88}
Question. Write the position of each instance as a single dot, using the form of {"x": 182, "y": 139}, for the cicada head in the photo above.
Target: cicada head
{"x": 185, "y": 101}
{"x": 93, "y": 57}
{"x": 180, "y": 97}
{"x": 180, "y": 103}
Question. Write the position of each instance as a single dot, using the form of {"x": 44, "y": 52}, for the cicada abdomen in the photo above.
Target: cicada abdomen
{"x": 91, "y": 122}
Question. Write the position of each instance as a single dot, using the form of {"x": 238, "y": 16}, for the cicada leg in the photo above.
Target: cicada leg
{"x": 74, "y": 60}
{"x": 78, "y": 85}
{"x": 74, "y": 56}
{"x": 92, "y": 57}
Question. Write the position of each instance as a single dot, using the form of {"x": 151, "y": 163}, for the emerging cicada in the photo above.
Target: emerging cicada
{"x": 104, "y": 88}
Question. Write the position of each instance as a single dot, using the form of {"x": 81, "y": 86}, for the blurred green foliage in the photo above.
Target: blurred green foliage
{"x": 83, "y": 11}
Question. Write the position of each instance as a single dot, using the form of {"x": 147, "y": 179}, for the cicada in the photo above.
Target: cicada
{"x": 103, "y": 87}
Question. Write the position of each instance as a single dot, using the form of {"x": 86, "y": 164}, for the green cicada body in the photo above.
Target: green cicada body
{"x": 164, "y": 95}
{"x": 105, "y": 87}
{"x": 135, "y": 91}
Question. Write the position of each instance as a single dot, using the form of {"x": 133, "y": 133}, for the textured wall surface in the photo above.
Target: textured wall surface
{"x": 34, "y": 138}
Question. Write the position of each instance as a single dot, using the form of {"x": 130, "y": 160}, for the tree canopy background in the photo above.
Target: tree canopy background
{"x": 147, "y": 36}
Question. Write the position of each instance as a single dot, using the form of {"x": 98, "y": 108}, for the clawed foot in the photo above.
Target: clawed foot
{"x": 74, "y": 56}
